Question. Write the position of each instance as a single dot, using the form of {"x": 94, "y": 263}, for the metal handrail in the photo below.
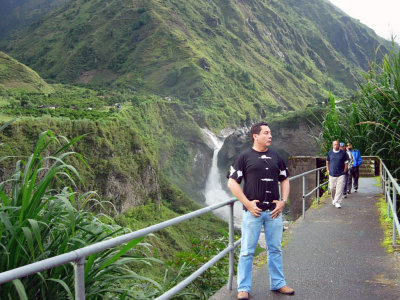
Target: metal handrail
{"x": 305, "y": 195}
{"x": 78, "y": 256}
{"x": 390, "y": 186}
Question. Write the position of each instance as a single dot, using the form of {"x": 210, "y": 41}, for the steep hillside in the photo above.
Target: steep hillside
{"x": 127, "y": 154}
{"x": 228, "y": 61}
{"x": 15, "y": 14}
{"x": 16, "y": 76}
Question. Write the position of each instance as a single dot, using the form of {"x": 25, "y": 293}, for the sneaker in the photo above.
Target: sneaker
{"x": 337, "y": 205}
{"x": 333, "y": 202}
{"x": 348, "y": 192}
{"x": 355, "y": 191}
{"x": 345, "y": 195}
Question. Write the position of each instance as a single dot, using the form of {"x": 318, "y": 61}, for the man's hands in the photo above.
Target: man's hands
{"x": 278, "y": 209}
{"x": 253, "y": 209}
{"x": 256, "y": 212}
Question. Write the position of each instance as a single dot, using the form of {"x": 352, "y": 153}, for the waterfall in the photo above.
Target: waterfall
{"x": 214, "y": 193}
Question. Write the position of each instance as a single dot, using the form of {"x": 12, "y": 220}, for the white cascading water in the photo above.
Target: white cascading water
{"x": 214, "y": 193}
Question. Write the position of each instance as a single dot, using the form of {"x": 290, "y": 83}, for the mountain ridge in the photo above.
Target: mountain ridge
{"x": 226, "y": 61}
{"x": 16, "y": 76}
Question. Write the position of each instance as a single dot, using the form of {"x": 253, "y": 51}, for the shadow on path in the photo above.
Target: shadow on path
{"x": 334, "y": 254}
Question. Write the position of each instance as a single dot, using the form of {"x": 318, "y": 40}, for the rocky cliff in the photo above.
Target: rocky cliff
{"x": 293, "y": 137}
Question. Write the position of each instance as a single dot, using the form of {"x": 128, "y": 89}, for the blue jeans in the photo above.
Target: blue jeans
{"x": 251, "y": 228}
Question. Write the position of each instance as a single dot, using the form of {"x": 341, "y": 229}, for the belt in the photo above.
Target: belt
{"x": 265, "y": 206}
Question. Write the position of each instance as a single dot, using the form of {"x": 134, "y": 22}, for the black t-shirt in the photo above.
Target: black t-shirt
{"x": 261, "y": 172}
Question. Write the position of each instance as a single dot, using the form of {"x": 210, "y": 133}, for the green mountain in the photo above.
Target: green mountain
{"x": 15, "y": 14}
{"x": 16, "y": 76}
{"x": 226, "y": 61}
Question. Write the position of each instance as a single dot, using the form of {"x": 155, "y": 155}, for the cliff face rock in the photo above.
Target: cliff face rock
{"x": 126, "y": 193}
{"x": 233, "y": 145}
{"x": 197, "y": 172}
{"x": 118, "y": 170}
{"x": 292, "y": 138}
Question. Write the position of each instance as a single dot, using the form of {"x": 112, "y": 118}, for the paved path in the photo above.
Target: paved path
{"x": 334, "y": 254}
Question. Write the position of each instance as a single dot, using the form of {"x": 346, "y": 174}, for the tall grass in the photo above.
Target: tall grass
{"x": 371, "y": 120}
{"x": 41, "y": 216}
{"x": 342, "y": 122}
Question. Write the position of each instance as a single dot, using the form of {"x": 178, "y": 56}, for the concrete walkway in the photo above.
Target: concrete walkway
{"x": 334, "y": 254}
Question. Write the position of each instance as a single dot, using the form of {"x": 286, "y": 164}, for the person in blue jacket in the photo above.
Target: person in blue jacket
{"x": 354, "y": 171}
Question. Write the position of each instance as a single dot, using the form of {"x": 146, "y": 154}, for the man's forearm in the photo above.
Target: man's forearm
{"x": 285, "y": 189}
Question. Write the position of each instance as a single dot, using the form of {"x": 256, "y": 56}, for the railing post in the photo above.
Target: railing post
{"x": 386, "y": 187}
{"x": 304, "y": 196}
{"x": 231, "y": 244}
{"x": 394, "y": 213}
{"x": 318, "y": 186}
{"x": 80, "y": 279}
{"x": 388, "y": 196}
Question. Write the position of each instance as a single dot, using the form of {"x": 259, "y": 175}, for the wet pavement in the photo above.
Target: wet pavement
{"x": 334, "y": 254}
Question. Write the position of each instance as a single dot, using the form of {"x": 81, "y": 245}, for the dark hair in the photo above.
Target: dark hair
{"x": 256, "y": 128}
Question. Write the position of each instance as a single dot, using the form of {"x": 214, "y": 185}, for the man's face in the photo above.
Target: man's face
{"x": 264, "y": 138}
{"x": 335, "y": 145}
{"x": 349, "y": 147}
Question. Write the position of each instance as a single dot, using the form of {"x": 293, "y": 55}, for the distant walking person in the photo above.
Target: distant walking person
{"x": 354, "y": 171}
{"x": 336, "y": 165}
{"x": 347, "y": 175}
{"x": 261, "y": 169}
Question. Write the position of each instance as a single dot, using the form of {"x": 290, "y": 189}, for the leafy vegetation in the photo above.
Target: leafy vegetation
{"x": 372, "y": 121}
{"x": 201, "y": 251}
{"x": 40, "y": 221}
{"x": 143, "y": 77}
{"x": 16, "y": 76}
{"x": 386, "y": 224}
{"x": 42, "y": 216}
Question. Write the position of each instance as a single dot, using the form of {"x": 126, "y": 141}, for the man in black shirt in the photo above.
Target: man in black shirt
{"x": 261, "y": 169}
{"x": 336, "y": 165}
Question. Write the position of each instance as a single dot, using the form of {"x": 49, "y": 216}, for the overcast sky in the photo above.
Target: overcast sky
{"x": 383, "y": 16}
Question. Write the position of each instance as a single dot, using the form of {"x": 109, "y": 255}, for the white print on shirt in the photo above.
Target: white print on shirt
{"x": 283, "y": 173}
{"x": 232, "y": 170}
{"x": 267, "y": 179}
{"x": 265, "y": 157}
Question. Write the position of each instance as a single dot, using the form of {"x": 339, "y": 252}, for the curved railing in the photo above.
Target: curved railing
{"x": 391, "y": 188}
{"x": 78, "y": 256}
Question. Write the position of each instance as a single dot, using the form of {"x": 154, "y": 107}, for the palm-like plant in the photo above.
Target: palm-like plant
{"x": 39, "y": 220}
{"x": 342, "y": 122}
{"x": 372, "y": 121}
{"x": 380, "y": 108}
